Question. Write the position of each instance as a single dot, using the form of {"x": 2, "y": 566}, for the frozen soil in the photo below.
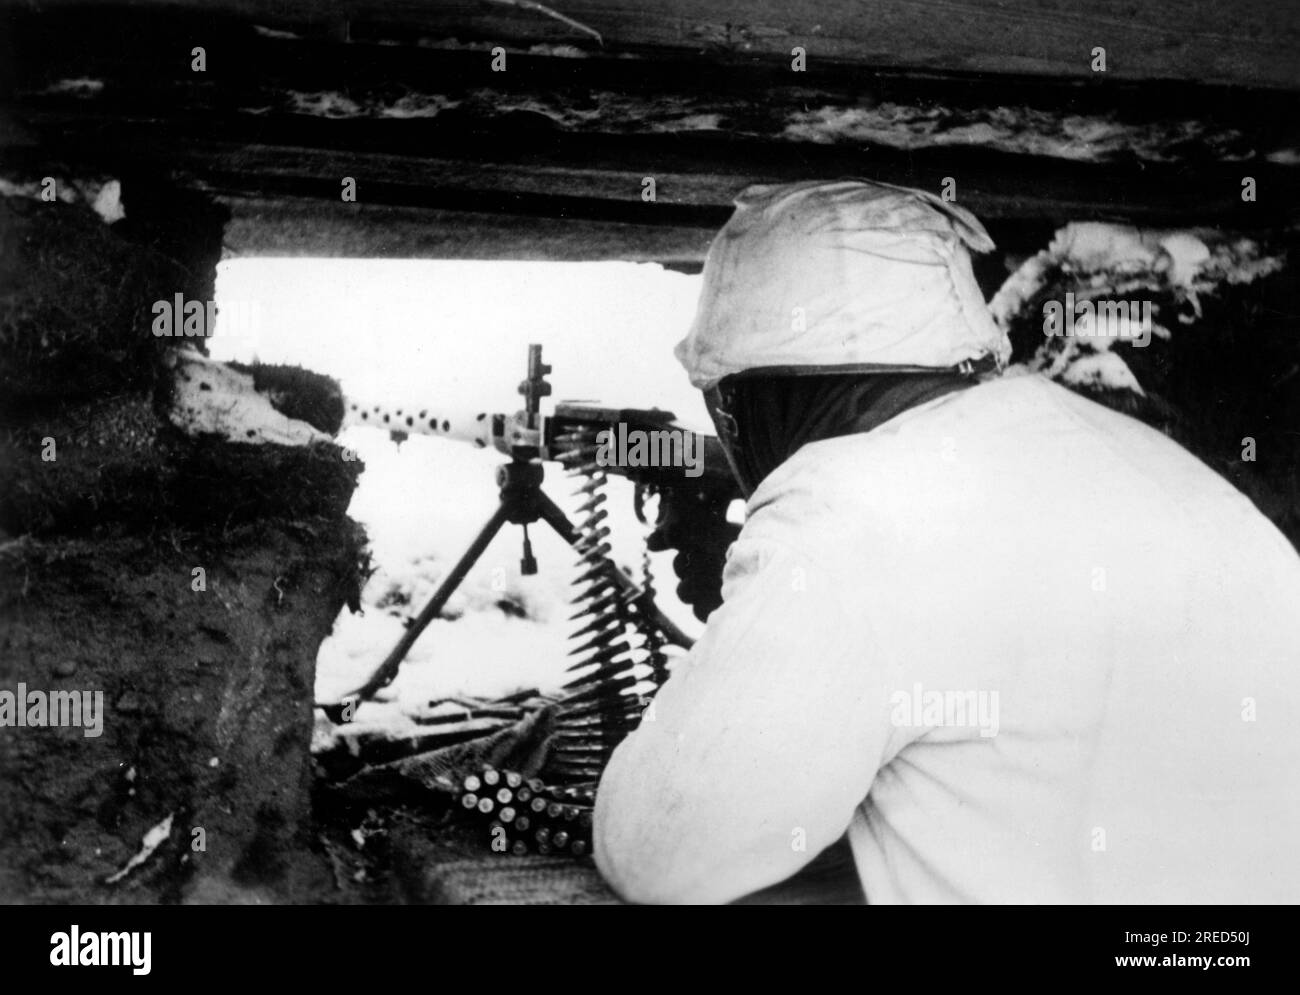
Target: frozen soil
{"x": 189, "y": 582}
{"x": 207, "y": 710}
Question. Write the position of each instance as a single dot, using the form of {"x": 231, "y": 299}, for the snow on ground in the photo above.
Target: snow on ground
{"x": 454, "y": 334}
{"x": 1098, "y": 260}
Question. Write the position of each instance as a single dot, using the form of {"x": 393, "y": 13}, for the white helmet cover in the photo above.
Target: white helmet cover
{"x": 831, "y": 276}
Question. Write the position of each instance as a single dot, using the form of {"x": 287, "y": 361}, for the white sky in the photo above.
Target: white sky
{"x": 455, "y": 332}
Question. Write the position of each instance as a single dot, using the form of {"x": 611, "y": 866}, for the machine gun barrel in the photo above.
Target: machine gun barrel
{"x": 479, "y": 428}
{"x": 513, "y": 435}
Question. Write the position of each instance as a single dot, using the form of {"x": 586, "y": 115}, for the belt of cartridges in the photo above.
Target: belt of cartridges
{"x": 623, "y": 651}
{"x": 525, "y": 816}
{"x": 624, "y": 657}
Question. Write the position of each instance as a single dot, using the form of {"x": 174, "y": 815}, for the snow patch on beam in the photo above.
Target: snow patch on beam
{"x": 1020, "y": 130}
{"x": 80, "y": 86}
{"x": 1014, "y": 128}
{"x": 211, "y": 398}
{"x": 103, "y": 195}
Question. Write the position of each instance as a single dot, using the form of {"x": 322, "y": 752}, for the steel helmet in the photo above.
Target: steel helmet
{"x": 843, "y": 276}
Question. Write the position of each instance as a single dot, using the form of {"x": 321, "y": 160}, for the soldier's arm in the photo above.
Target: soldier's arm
{"x": 759, "y": 747}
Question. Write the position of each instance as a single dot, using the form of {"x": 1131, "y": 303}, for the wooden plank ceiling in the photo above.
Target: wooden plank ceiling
{"x": 549, "y": 158}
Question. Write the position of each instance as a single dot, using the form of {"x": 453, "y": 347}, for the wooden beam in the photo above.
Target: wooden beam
{"x": 600, "y": 177}
{"x": 285, "y": 226}
{"x": 1248, "y": 42}
{"x": 435, "y": 139}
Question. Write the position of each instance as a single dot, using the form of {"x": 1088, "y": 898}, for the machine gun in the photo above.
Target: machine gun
{"x": 624, "y": 639}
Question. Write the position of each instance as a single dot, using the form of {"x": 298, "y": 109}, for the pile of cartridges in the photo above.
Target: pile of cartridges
{"x": 526, "y": 816}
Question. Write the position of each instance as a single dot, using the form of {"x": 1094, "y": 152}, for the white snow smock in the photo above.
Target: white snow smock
{"x": 1113, "y": 632}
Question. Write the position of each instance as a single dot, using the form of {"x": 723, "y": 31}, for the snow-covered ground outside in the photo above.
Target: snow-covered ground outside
{"x": 454, "y": 335}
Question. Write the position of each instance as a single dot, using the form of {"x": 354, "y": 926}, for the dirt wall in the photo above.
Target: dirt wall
{"x": 183, "y": 584}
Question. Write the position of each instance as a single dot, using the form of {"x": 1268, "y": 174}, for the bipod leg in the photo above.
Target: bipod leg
{"x": 387, "y": 670}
